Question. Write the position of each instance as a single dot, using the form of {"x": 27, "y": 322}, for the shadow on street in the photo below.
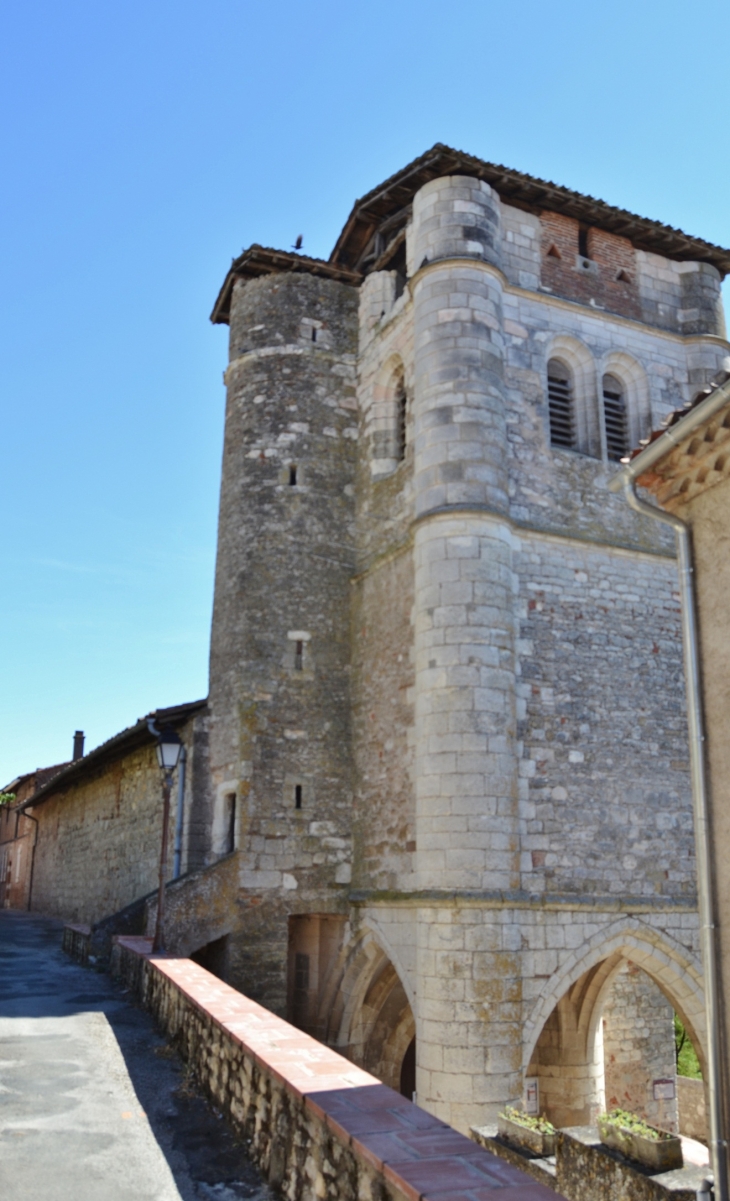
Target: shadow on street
{"x": 94, "y": 1103}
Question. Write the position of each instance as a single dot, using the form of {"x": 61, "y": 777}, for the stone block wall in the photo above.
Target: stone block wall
{"x": 604, "y": 774}
{"x": 638, "y": 1047}
{"x": 99, "y": 841}
{"x": 692, "y": 1107}
{"x": 98, "y": 846}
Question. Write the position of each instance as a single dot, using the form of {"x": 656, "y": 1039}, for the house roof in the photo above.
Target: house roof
{"x": 262, "y": 260}
{"x": 114, "y": 748}
{"x": 690, "y": 452}
{"x": 33, "y": 779}
{"x": 387, "y": 207}
{"x": 397, "y": 193}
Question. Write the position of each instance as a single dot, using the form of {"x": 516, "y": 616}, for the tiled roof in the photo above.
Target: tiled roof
{"x": 262, "y": 260}
{"x": 390, "y": 202}
{"x": 397, "y": 193}
{"x": 114, "y": 748}
{"x": 695, "y": 452}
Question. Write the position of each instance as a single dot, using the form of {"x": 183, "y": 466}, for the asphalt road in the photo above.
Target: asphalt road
{"x": 94, "y": 1106}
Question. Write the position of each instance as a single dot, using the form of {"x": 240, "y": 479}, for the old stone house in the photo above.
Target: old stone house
{"x": 443, "y": 819}
{"x": 18, "y": 834}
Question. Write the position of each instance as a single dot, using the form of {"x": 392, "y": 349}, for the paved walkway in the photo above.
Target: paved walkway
{"x": 93, "y": 1105}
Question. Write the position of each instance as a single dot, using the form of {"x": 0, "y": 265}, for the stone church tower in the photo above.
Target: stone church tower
{"x": 447, "y": 737}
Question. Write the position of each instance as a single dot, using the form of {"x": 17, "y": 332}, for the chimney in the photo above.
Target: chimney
{"x": 78, "y": 745}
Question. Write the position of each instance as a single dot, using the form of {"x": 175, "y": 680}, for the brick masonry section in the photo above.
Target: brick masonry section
{"x": 316, "y": 1125}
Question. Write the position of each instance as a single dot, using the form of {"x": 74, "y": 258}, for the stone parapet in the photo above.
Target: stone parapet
{"x": 316, "y": 1125}
{"x": 76, "y": 942}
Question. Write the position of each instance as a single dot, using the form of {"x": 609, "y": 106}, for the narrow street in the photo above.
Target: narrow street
{"x": 94, "y": 1106}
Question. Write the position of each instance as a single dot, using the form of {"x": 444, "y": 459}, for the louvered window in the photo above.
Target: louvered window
{"x": 615, "y": 417}
{"x": 560, "y": 401}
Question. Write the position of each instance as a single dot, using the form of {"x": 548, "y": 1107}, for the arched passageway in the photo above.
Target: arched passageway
{"x": 609, "y": 1039}
{"x": 350, "y": 996}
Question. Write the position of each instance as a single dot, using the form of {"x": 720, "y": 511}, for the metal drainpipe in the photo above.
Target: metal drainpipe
{"x": 177, "y": 861}
{"x": 32, "y": 856}
{"x": 718, "y": 1145}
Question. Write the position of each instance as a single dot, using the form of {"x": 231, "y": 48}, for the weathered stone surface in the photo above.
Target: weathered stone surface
{"x": 447, "y": 790}
{"x": 588, "y": 1171}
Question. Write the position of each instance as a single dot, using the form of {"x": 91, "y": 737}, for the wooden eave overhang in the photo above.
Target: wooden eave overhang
{"x": 697, "y": 452}
{"x": 396, "y": 193}
{"x": 262, "y": 260}
{"x": 115, "y": 748}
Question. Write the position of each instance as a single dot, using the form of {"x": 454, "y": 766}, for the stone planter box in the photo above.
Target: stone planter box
{"x": 536, "y": 1141}
{"x": 662, "y": 1154}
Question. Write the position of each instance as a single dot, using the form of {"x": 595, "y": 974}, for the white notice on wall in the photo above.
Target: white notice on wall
{"x": 664, "y": 1090}
{"x": 532, "y": 1095}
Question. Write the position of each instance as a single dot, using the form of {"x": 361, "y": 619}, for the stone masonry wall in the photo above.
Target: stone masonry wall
{"x": 99, "y": 842}
{"x": 384, "y": 818}
{"x": 638, "y": 1047}
{"x": 604, "y": 770}
{"x": 692, "y": 1107}
{"x": 280, "y": 745}
{"x": 99, "y": 839}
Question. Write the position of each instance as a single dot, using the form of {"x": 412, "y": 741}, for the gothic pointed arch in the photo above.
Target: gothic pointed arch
{"x": 677, "y": 973}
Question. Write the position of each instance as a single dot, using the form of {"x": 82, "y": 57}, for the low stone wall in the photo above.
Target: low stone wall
{"x": 588, "y": 1171}
{"x": 318, "y": 1127}
{"x": 76, "y": 942}
{"x": 584, "y": 1170}
{"x": 691, "y": 1106}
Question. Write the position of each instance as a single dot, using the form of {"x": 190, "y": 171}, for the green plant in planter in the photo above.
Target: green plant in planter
{"x": 527, "y": 1120}
{"x": 631, "y": 1121}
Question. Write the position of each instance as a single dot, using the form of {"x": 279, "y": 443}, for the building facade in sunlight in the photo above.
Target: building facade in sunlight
{"x": 446, "y": 810}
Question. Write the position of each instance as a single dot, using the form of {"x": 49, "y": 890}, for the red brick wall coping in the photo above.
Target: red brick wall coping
{"x": 77, "y": 928}
{"x": 409, "y": 1152}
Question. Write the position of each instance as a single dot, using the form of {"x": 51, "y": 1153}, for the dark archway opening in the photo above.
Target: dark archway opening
{"x": 213, "y": 956}
{"x": 408, "y": 1071}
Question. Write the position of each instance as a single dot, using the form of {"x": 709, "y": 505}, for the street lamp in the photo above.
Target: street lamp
{"x": 168, "y": 750}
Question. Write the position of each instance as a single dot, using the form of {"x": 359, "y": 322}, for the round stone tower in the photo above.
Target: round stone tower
{"x": 280, "y": 742}
{"x": 465, "y": 702}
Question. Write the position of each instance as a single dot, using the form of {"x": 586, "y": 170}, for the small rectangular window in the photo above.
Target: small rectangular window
{"x": 292, "y": 474}
{"x": 298, "y": 656}
{"x": 297, "y": 796}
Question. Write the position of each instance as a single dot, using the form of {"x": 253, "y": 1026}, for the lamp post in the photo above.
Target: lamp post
{"x": 168, "y": 749}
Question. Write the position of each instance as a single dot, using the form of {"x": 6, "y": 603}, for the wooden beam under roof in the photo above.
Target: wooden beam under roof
{"x": 442, "y": 160}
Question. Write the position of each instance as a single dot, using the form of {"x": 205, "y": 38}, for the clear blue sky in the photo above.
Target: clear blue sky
{"x": 145, "y": 144}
